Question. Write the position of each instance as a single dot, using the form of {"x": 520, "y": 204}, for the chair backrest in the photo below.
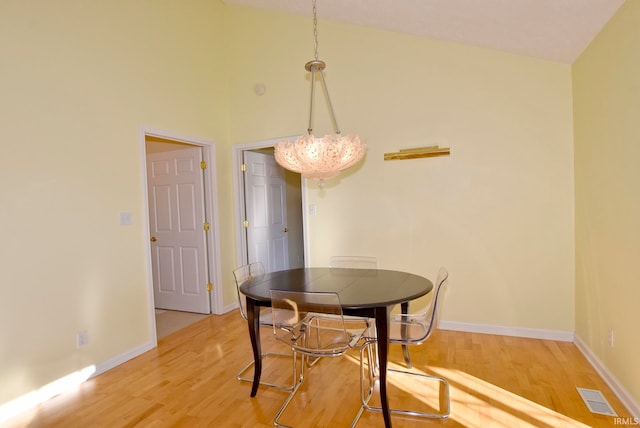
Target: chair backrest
{"x": 433, "y": 312}
{"x": 353, "y": 262}
{"x": 310, "y": 322}
{"x": 241, "y": 275}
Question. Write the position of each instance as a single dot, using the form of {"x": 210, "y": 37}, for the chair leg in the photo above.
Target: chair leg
{"x": 367, "y": 393}
{"x": 447, "y": 403}
{"x": 372, "y": 366}
{"x": 269, "y": 384}
{"x": 291, "y": 395}
{"x": 407, "y": 357}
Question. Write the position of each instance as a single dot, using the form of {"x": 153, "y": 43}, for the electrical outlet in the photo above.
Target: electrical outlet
{"x": 611, "y": 337}
{"x": 82, "y": 338}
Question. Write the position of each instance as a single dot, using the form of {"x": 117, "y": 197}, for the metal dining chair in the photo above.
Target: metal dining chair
{"x": 411, "y": 329}
{"x": 313, "y": 325}
{"x": 241, "y": 275}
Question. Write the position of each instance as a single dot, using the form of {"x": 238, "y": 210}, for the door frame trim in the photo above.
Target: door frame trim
{"x": 238, "y": 199}
{"x": 211, "y": 204}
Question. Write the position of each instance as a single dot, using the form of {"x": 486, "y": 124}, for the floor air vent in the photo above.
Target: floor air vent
{"x": 596, "y": 402}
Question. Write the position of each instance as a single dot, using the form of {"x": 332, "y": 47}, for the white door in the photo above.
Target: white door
{"x": 178, "y": 239}
{"x": 266, "y": 211}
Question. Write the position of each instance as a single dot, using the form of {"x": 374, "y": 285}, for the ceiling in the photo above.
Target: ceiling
{"x": 556, "y": 30}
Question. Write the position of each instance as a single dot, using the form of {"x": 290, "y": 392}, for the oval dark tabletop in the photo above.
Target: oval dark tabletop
{"x": 357, "y": 288}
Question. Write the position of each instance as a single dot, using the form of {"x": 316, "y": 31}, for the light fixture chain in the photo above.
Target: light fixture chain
{"x": 315, "y": 29}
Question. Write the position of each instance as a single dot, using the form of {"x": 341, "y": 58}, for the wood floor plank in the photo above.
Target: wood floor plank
{"x": 189, "y": 381}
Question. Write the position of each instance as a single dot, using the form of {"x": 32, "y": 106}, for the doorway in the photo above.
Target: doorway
{"x": 177, "y": 225}
{"x": 273, "y": 201}
{"x": 182, "y": 224}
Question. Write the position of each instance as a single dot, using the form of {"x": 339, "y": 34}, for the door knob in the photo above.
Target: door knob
{"x": 285, "y": 230}
{"x": 154, "y": 239}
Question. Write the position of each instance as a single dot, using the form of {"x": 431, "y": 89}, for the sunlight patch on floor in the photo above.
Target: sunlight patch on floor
{"x": 31, "y": 400}
{"x": 503, "y": 408}
{"x": 499, "y": 405}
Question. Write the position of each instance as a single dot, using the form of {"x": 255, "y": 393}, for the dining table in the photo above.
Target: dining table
{"x": 370, "y": 293}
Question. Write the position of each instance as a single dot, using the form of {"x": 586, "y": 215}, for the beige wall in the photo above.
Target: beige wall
{"x": 606, "y": 81}
{"x": 498, "y": 212}
{"x": 78, "y": 80}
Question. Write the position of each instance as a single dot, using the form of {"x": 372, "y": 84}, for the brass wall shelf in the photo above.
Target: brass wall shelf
{"x": 418, "y": 152}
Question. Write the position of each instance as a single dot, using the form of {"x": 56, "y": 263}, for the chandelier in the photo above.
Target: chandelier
{"x": 314, "y": 157}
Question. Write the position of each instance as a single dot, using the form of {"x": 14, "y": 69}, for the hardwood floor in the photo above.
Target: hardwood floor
{"x": 189, "y": 381}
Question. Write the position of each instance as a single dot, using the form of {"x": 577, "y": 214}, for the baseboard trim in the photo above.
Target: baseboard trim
{"x": 122, "y": 358}
{"x": 620, "y": 392}
{"x": 230, "y": 307}
{"x": 533, "y": 333}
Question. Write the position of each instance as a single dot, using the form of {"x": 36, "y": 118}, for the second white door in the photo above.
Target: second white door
{"x": 266, "y": 213}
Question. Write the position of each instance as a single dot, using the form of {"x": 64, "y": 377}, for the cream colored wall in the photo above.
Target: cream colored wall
{"x": 606, "y": 81}
{"x": 79, "y": 79}
{"x": 498, "y": 212}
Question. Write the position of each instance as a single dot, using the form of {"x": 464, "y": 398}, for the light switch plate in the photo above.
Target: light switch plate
{"x": 125, "y": 219}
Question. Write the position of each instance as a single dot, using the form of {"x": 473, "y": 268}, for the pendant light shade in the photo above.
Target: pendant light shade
{"x": 320, "y": 158}
{"x": 314, "y": 157}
